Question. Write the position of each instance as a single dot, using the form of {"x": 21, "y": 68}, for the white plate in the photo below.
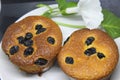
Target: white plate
{"x": 8, "y": 71}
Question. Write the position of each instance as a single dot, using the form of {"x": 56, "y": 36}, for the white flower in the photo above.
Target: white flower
{"x": 91, "y": 12}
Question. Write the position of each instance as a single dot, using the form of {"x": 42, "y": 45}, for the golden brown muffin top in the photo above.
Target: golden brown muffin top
{"x": 44, "y": 40}
{"x": 88, "y": 55}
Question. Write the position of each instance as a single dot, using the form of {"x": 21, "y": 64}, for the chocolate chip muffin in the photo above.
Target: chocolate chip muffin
{"x": 88, "y": 55}
{"x": 32, "y": 43}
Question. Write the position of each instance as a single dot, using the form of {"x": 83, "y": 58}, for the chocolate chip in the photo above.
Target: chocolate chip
{"x": 41, "y": 61}
{"x": 20, "y": 39}
{"x": 100, "y": 55}
{"x": 14, "y": 49}
{"x": 89, "y": 40}
{"x": 51, "y": 40}
{"x": 28, "y": 51}
{"x": 69, "y": 60}
{"x": 28, "y": 43}
{"x": 90, "y": 51}
{"x": 66, "y": 40}
{"x": 28, "y": 36}
{"x": 38, "y": 27}
{"x": 40, "y": 30}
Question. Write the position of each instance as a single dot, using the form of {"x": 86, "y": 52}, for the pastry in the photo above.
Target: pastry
{"x": 88, "y": 55}
{"x": 32, "y": 43}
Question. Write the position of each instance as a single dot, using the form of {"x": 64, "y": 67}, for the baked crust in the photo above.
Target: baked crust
{"x": 89, "y": 67}
{"x": 42, "y": 48}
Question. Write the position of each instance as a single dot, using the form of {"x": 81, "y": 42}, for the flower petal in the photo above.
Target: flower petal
{"x": 91, "y": 12}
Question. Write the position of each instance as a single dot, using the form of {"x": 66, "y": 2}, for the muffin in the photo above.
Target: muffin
{"x": 32, "y": 43}
{"x": 88, "y": 55}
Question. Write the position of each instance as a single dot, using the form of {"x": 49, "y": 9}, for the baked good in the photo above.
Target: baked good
{"x": 32, "y": 43}
{"x": 88, "y": 55}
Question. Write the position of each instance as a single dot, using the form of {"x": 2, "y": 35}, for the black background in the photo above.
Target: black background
{"x": 13, "y": 9}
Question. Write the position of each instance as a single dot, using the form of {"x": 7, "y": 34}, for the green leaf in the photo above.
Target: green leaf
{"x": 63, "y": 5}
{"x": 111, "y": 24}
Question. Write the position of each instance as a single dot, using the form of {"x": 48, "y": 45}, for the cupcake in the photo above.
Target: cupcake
{"x": 88, "y": 55}
{"x": 32, "y": 43}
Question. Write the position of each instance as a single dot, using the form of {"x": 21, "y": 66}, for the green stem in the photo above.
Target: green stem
{"x": 69, "y": 25}
{"x": 44, "y": 5}
{"x": 49, "y": 8}
{"x": 54, "y": 12}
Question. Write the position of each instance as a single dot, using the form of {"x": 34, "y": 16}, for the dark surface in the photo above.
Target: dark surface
{"x": 14, "y": 9}
{"x": 21, "y": 1}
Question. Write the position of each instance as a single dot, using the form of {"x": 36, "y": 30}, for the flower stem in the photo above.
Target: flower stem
{"x": 54, "y": 12}
{"x": 69, "y": 25}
